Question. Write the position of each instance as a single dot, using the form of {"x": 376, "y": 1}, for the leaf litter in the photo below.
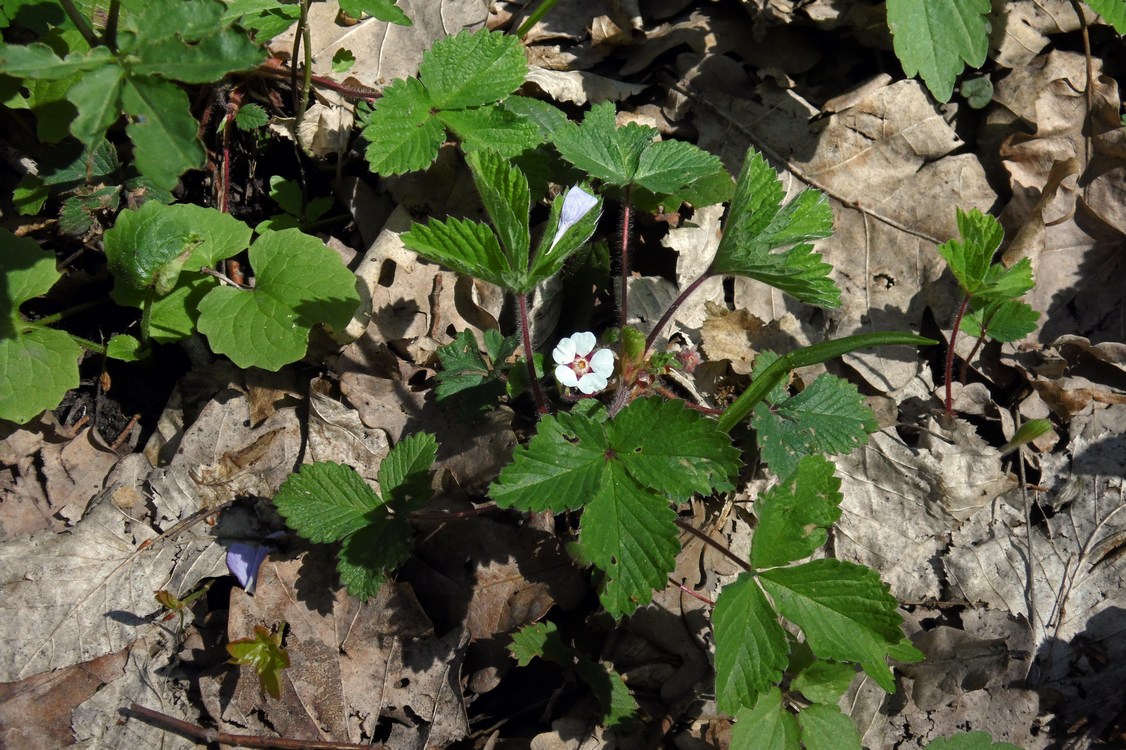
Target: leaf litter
{"x": 1012, "y": 584}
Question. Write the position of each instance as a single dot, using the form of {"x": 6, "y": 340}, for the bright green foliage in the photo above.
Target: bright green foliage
{"x": 824, "y": 727}
{"x": 464, "y": 371}
{"x": 794, "y": 516}
{"x": 266, "y": 18}
{"x": 329, "y": 502}
{"x": 384, "y": 10}
{"x": 937, "y": 38}
{"x": 343, "y": 60}
{"x": 767, "y": 725}
{"x": 460, "y": 80}
{"x": 751, "y": 647}
{"x": 978, "y": 91}
{"x": 993, "y": 289}
{"x": 824, "y": 681}
{"x": 502, "y": 257}
{"x": 542, "y": 640}
{"x": 296, "y": 213}
{"x": 629, "y": 156}
{"x": 264, "y": 652}
{"x": 1112, "y": 11}
{"x": 624, "y": 472}
{"x": 1026, "y": 433}
{"x": 125, "y": 348}
{"x": 38, "y": 365}
{"x": 156, "y": 44}
{"x": 828, "y": 417}
{"x": 299, "y": 283}
{"x": 251, "y": 116}
{"x": 757, "y": 224}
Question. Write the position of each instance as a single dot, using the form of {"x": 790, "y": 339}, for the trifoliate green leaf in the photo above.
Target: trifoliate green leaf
{"x": 299, "y": 283}
{"x": 464, "y": 371}
{"x": 630, "y": 533}
{"x": 1112, "y": 11}
{"x": 667, "y": 167}
{"x": 504, "y": 191}
{"x": 326, "y": 501}
{"x": 1006, "y": 283}
{"x": 750, "y": 645}
{"x": 152, "y": 245}
{"x": 1002, "y": 320}
{"x": 700, "y": 459}
{"x": 937, "y": 38}
{"x": 969, "y": 258}
{"x": 343, "y": 60}
{"x": 264, "y": 652}
{"x": 468, "y": 247}
{"x": 767, "y": 726}
{"x": 37, "y": 365}
{"x": 559, "y": 469}
{"x": 251, "y": 116}
{"x": 384, "y": 10}
{"x": 824, "y": 681}
{"x": 602, "y": 149}
{"x": 978, "y": 92}
{"x": 402, "y": 133}
{"x": 757, "y": 224}
{"x": 404, "y": 475}
{"x": 829, "y": 417}
{"x": 538, "y": 640}
{"x": 492, "y": 128}
{"x": 970, "y": 741}
{"x": 844, "y": 610}
{"x": 368, "y": 556}
{"x": 471, "y": 69}
{"x": 794, "y": 516}
{"x": 163, "y": 131}
{"x": 824, "y": 727}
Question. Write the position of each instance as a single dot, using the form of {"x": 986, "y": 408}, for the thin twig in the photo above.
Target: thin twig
{"x": 713, "y": 543}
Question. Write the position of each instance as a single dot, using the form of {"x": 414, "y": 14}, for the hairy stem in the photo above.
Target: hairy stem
{"x": 526, "y": 334}
{"x": 627, "y": 218}
{"x": 973, "y": 353}
{"x": 50, "y": 320}
{"x": 950, "y": 355}
{"x": 676, "y": 303}
{"x": 714, "y": 544}
{"x": 533, "y": 19}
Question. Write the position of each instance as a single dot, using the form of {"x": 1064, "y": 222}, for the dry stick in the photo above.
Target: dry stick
{"x": 1090, "y": 89}
{"x": 211, "y": 736}
{"x": 708, "y": 540}
{"x": 691, "y": 593}
{"x": 766, "y": 149}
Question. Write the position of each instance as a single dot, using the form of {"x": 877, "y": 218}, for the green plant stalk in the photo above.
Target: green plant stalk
{"x": 112, "y": 19}
{"x": 950, "y": 355}
{"x": 676, "y": 303}
{"x": 810, "y": 355}
{"x": 81, "y": 23}
{"x": 301, "y": 93}
{"x": 543, "y": 9}
{"x": 84, "y": 343}
{"x": 146, "y": 315}
{"x": 50, "y": 320}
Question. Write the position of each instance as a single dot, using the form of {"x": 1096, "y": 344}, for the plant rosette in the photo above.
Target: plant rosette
{"x": 580, "y": 365}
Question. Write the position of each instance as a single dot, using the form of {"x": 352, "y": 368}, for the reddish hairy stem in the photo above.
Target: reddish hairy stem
{"x": 676, "y": 303}
{"x": 950, "y": 355}
{"x": 627, "y": 217}
{"x": 525, "y": 333}
{"x": 210, "y": 736}
{"x": 714, "y": 544}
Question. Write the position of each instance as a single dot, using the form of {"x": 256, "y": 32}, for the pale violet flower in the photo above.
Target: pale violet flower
{"x": 580, "y": 366}
{"x": 576, "y": 204}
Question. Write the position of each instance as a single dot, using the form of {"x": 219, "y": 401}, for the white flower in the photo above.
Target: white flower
{"x": 579, "y": 366}
{"x": 576, "y": 204}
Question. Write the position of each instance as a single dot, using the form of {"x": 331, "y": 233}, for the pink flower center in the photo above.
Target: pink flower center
{"x": 580, "y": 366}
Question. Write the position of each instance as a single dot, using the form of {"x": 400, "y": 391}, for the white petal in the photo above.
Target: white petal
{"x": 602, "y": 362}
{"x": 576, "y": 204}
{"x": 566, "y": 376}
{"x": 584, "y": 342}
{"x": 592, "y": 382}
{"x": 564, "y": 354}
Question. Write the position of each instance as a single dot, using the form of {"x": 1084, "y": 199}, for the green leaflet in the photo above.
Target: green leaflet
{"x": 937, "y": 38}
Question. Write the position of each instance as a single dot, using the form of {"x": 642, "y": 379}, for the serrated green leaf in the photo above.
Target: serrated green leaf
{"x": 465, "y": 371}
{"x": 602, "y": 149}
{"x": 700, "y": 459}
{"x": 205, "y": 61}
{"x": 37, "y": 365}
{"x": 383, "y": 10}
{"x": 467, "y": 247}
{"x": 299, "y": 283}
{"x": 1112, "y": 11}
{"x": 404, "y": 475}
{"x": 669, "y": 166}
{"x": 937, "y": 38}
{"x": 144, "y": 242}
{"x": 471, "y": 69}
{"x": 37, "y": 60}
{"x": 264, "y": 652}
{"x": 750, "y": 645}
{"x": 844, "y": 610}
{"x": 824, "y": 681}
{"x": 492, "y": 128}
{"x": 794, "y": 516}
{"x": 537, "y": 641}
{"x": 372, "y": 553}
{"x": 96, "y": 96}
{"x": 504, "y": 191}
{"x": 343, "y": 60}
{"x": 326, "y": 501}
{"x": 630, "y": 533}
{"x": 559, "y": 469}
{"x": 824, "y": 727}
{"x": 163, "y": 131}
{"x": 970, "y": 741}
{"x": 1002, "y": 320}
{"x": 828, "y": 417}
{"x": 969, "y": 258}
{"x": 402, "y": 133}
{"x": 125, "y": 348}
{"x": 187, "y": 19}
{"x": 1006, "y": 283}
{"x": 619, "y": 708}
{"x": 767, "y": 726}
{"x": 544, "y": 115}
{"x": 251, "y": 116}
{"x": 757, "y": 224}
